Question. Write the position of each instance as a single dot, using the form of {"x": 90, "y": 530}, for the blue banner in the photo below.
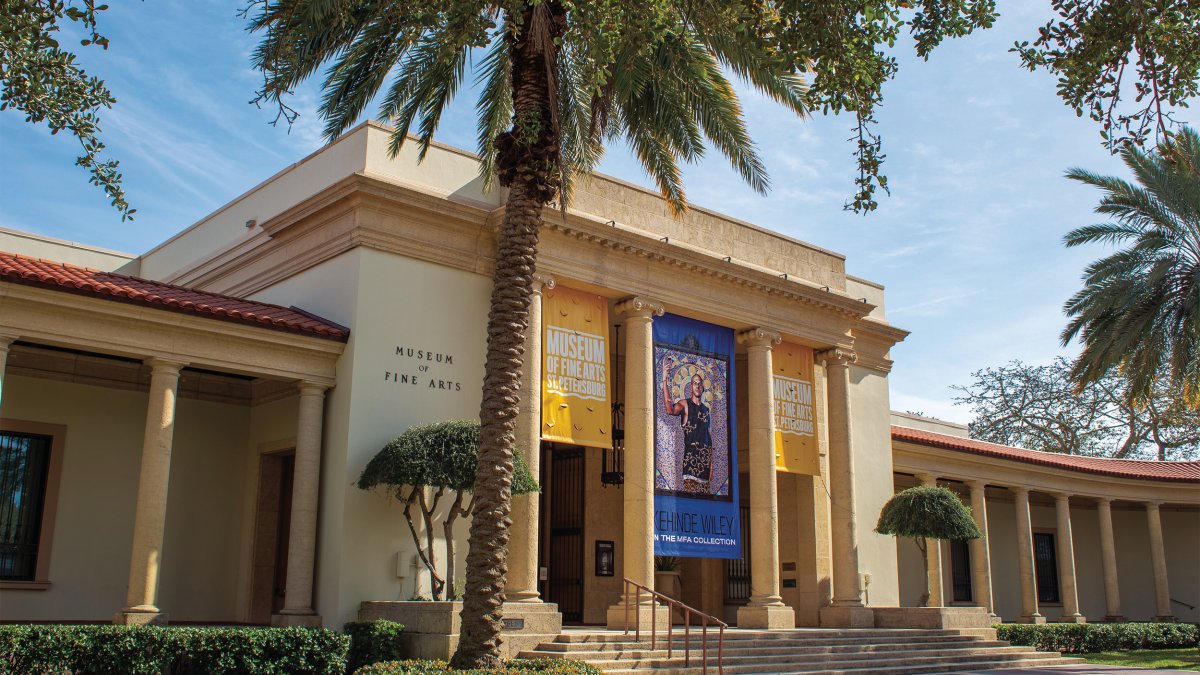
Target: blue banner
{"x": 695, "y": 441}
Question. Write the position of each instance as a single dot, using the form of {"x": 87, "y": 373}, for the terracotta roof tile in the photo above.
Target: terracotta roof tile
{"x": 1180, "y": 472}
{"x": 16, "y": 268}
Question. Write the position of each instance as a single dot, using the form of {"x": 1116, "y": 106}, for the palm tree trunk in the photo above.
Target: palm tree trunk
{"x": 528, "y": 164}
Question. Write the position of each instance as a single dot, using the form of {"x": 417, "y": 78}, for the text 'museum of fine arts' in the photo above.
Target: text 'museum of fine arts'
{"x": 702, "y": 398}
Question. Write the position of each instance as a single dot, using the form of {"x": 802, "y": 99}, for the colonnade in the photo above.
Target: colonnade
{"x": 1065, "y": 555}
{"x": 766, "y": 608}
{"x": 149, "y": 525}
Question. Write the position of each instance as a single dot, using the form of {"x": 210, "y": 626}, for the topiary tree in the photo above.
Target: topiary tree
{"x": 419, "y": 466}
{"x": 927, "y": 512}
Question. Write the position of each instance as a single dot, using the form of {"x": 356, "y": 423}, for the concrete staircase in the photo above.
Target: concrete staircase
{"x": 858, "y": 651}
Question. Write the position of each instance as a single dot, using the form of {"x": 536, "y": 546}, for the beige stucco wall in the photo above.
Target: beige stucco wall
{"x": 49, "y": 248}
{"x": 89, "y": 567}
{"x": 873, "y": 482}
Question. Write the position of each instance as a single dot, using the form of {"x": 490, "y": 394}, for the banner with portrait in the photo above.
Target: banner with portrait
{"x": 795, "y": 424}
{"x": 575, "y": 368}
{"x": 695, "y": 440}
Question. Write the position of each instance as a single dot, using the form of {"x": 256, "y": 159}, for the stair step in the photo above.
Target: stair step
{"x": 875, "y": 669}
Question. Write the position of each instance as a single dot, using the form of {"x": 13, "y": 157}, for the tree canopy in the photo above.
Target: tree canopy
{"x": 927, "y": 512}
{"x": 1041, "y": 408}
{"x": 1139, "y": 309}
{"x": 41, "y": 79}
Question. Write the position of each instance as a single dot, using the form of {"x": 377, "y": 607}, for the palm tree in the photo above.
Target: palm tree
{"x": 558, "y": 81}
{"x": 1139, "y": 310}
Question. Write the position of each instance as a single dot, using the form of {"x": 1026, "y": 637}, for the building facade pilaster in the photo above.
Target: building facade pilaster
{"x": 523, "y": 535}
{"x": 638, "y": 489}
{"x": 1068, "y": 587}
{"x": 766, "y": 608}
{"x": 302, "y": 534}
{"x": 150, "y": 515}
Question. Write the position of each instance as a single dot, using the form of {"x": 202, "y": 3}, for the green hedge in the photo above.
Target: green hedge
{"x": 514, "y": 667}
{"x": 372, "y": 642}
{"x": 1071, "y": 638}
{"x": 154, "y": 650}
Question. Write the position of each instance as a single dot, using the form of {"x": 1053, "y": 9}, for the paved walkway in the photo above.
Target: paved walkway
{"x": 1082, "y": 669}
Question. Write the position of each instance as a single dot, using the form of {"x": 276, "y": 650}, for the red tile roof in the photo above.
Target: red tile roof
{"x": 21, "y": 269}
{"x": 1180, "y": 472}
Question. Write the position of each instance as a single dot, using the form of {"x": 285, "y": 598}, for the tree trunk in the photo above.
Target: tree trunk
{"x": 923, "y": 545}
{"x": 528, "y": 164}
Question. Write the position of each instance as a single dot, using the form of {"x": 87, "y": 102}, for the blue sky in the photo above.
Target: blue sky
{"x": 968, "y": 245}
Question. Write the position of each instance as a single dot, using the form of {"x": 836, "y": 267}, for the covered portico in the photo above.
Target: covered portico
{"x": 1067, "y": 538}
{"x": 80, "y": 352}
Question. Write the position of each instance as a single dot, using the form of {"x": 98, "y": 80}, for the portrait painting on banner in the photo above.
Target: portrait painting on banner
{"x": 692, "y": 436}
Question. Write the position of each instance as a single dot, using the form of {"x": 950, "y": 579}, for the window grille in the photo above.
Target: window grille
{"x": 1046, "y": 565}
{"x": 24, "y": 470}
{"x": 737, "y": 572}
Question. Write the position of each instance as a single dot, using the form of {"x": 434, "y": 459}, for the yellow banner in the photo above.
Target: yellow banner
{"x": 795, "y": 421}
{"x": 575, "y": 369}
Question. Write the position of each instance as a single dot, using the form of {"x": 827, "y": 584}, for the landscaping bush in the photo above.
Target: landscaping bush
{"x": 1070, "y": 638}
{"x": 372, "y": 642}
{"x": 155, "y": 650}
{"x": 514, "y": 667}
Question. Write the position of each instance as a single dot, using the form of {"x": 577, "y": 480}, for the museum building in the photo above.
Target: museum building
{"x": 705, "y": 405}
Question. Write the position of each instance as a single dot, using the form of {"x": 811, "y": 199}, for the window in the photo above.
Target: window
{"x": 1046, "y": 567}
{"x": 737, "y": 572}
{"x": 24, "y": 478}
{"x": 960, "y": 566}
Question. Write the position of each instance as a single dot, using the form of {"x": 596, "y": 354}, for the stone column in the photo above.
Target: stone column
{"x": 5, "y": 343}
{"x": 848, "y": 610}
{"x": 1108, "y": 559}
{"x": 638, "y": 537}
{"x": 981, "y": 555}
{"x": 1029, "y": 600}
{"x": 150, "y": 516}
{"x": 1066, "y": 560}
{"x": 1158, "y": 558}
{"x": 523, "y": 535}
{"x": 766, "y": 608}
{"x": 302, "y": 533}
{"x": 933, "y": 558}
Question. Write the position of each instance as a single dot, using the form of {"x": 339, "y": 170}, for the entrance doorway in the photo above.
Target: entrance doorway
{"x": 272, "y": 525}
{"x": 565, "y": 583}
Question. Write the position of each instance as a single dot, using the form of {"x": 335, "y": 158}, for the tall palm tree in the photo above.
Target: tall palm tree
{"x": 1139, "y": 309}
{"x": 559, "y": 80}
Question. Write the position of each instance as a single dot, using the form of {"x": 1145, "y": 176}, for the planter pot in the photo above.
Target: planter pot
{"x": 431, "y": 629}
{"x": 669, "y": 584}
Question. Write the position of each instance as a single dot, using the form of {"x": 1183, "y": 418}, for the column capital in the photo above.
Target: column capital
{"x": 6, "y": 339}
{"x": 759, "y": 337}
{"x": 1104, "y": 500}
{"x": 541, "y": 282}
{"x": 927, "y": 478}
{"x": 1153, "y": 504}
{"x": 1019, "y": 490}
{"x": 837, "y": 356}
{"x": 640, "y": 306}
{"x": 308, "y": 388}
{"x": 1061, "y": 496}
{"x": 976, "y": 483}
{"x": 161, "y": 365}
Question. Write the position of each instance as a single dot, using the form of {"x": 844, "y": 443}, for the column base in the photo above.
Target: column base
{"x": 1078, "y": 618}
{"x": 1166, "y": 618}
{"x": 128, "y": 618}
{"x": 645, "y": 615}
{"x": 847, "y": 617}
{"x": 301, "y": 620}
{"x": 1035, "y": 618}
{"x": 775, "y": 616}
{"x": 1114, "y": 618}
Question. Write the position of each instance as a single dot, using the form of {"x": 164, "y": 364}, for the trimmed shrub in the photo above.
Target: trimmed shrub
{"x": 372, "y": 642}
{"x": 514, "y": 667}
{"x": 1071, "y": 638}
{"x": 155, "y": 650}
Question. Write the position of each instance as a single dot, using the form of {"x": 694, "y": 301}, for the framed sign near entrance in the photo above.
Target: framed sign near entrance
{"x": 606, "y": 558}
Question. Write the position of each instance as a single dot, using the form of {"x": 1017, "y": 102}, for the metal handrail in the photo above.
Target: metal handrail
{"x": 704, "y": 620}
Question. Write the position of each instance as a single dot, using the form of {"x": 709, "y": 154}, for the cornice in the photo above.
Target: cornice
{"x": 914, "y": 458}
